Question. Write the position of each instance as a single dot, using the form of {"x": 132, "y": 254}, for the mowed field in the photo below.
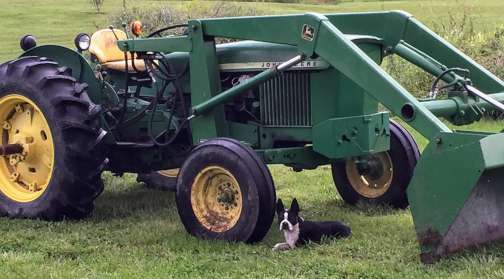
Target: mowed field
{"x": 58, "y": 21}
{"x": 136, "y": 232}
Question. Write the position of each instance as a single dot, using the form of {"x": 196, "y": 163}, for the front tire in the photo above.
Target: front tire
{"x": 46, "y": 110}
{"x": 380, "y": 178}
{"x": 225, "y": 191}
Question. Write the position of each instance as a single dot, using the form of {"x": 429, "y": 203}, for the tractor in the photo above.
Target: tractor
{"x": 297, "y": 90}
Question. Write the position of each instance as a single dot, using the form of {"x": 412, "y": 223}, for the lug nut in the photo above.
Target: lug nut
{"x": 6, "y": 125}
{"x": 14, "y": 176}
{"x": 18, "y": 108}
{"x": 33, "y": 187}
{"x": 15, "y": 159}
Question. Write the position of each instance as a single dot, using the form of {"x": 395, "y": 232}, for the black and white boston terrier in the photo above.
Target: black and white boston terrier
{"x": 297, "y": 231}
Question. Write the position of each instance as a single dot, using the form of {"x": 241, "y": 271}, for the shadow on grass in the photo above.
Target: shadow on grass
{"x": 367, "y": 209}
{"x": 139, "y": 202}
{"x": 371, "y": 210}
{"x": 136, "y": 202}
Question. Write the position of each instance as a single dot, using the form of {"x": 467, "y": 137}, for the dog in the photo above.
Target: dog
{"x": 297, "y": 231}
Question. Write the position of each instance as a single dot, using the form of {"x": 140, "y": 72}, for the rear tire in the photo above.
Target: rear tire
{"x": 164, "y": 180}
{"x": 225, "y": 191}
{"x": 387, "y": 185}
{"x": 67, "y": 186}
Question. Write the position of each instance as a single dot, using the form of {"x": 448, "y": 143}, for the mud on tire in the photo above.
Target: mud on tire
{"x": 234, "y": 163}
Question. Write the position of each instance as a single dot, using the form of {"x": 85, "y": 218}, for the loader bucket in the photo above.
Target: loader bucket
{"x": 457, "y": 194}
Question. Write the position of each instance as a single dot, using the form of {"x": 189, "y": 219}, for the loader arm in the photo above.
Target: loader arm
{"x": 331, "y": 45}
{"x": 400, "y": 34}
{"x": 396, "y": 26}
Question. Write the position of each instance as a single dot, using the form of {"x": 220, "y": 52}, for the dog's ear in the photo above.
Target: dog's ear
{"x": 280, "y": 206}
{"x": 294, "y": 208}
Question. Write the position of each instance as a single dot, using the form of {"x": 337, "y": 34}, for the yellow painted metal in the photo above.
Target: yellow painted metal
{"x": 104, "y": 47}
{"x": 368, "y": 185}
{"x": 216, "y": 199}
{"x": 169, "y": 173}
{"x": 25, "y": 177}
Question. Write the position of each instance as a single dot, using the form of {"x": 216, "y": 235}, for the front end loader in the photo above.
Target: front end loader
{"x": 297, "y": 90}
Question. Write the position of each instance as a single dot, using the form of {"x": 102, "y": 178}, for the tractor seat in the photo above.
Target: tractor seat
{"x": 104, "y": 48}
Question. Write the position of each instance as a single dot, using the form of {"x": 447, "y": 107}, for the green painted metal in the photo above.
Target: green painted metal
{"x": 317, "y": 112}
{"x": 460, "y": 109}
{"x": 354, "y": 64}
{"x": 439, "y": 199}
{"x": 258, "y": 56}
{"x": 179, "y": 43}
{"x": 233, "y": 92}
{"x": 338, "y": 51}
{"x": 205, "y": 84}
{"x": 269, "y": 135}
{"x": 296, "y": 157}
{"x": 422, "y": 60}
{"x": 427, "y": 41}
{"x": 339, "y": 138}
{"x": 396, "y": 26}
{"x": 350, "y": 62}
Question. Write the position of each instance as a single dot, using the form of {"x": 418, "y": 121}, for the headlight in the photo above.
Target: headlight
{"x": 82, "y": 42}
{"x": 27, "y": 42}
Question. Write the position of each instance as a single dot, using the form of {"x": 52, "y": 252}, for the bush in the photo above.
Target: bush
{"x": 162, "y": 16}
{"x": 458, "y": 29}
{"x": 97, "y": 4}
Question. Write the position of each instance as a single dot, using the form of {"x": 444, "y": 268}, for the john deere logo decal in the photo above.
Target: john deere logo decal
{"x": 308, "y": 32}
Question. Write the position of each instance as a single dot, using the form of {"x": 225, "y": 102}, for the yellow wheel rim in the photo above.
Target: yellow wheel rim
{"x": 169, "y": 173}
{"x": 24, "y": 177}
{"x": 216, "y": 199}
{"x": 371, "y": 185}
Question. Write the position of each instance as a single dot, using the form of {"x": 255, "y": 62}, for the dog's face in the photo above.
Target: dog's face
{"x": 288, "y": 218}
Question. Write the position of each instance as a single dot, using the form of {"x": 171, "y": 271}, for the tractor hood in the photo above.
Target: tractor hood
{"x": 259, "y": 56}
{"x": 252, "y": 56}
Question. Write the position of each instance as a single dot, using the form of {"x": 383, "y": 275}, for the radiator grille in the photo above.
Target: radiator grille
{"x": 285, "y": 100}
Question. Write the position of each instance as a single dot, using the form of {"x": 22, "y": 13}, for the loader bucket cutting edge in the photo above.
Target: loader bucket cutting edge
{"x": 456, "y": 194}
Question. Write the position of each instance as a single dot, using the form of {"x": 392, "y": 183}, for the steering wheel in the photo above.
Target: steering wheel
{"x": 158, "y": 32}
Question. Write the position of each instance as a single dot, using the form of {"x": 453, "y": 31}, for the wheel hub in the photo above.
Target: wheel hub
{"x": 216, "y": 199}
{"x": 227, "y": 196}
{"x": 371, "y": 166}
{"x": 24, "y": 175}
{"x": 371, "y": 176}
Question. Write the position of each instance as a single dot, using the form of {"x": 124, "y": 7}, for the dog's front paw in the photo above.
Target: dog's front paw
{"x": 281, "y": 247}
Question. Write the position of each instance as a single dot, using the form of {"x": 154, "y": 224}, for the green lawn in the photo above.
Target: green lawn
{"x": 136, "y": 232}
{"x": 58, "y": 21}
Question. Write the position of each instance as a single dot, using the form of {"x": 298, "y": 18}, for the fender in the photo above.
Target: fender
{"x": 81, "y": 69}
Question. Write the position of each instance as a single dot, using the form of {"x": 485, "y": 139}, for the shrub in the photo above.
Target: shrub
{"x": 458, "y": 29}
{"x": 164, "y": 15}
{"x": 97, "y": 4}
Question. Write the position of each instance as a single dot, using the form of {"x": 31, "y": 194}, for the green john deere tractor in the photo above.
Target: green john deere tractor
{"x": 297, "y": 90}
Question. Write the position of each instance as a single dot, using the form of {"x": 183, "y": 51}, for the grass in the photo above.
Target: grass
{"x": 136, "y": 232}
{"x": 58, "y": 21}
